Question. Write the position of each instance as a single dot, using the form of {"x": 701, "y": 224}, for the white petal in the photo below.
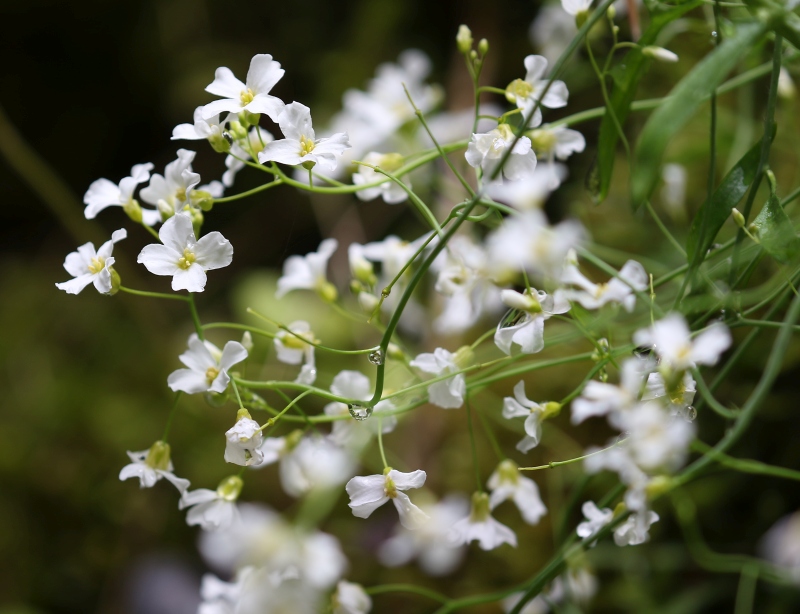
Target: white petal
{"x": 225, "y": 84}
{"x": 192, "y": 279}
{"x": 188, "y": 381}
{"x": 411, "y": 517}
{"x": 213, "y": 251}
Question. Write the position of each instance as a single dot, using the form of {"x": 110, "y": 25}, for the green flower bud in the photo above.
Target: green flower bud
{"x": 133, "y": 210}
{"x": 202, "y": 199}
{"x": 328, "y": 292}
{"x": 394, "y": 352}
{"x": 738, "y": 218}
{"x": 158, "y": 456}
{"x": 238, "y": 131}
{"x": 464, "y": 39}
{"x": 115, "y": 281}
{"x": 247, "y": 341}
{"x": 219, "y": 143}
{"x": 483, "y": 47}
{"x": 464, "y": 356}
{"x": 580, "y": 18}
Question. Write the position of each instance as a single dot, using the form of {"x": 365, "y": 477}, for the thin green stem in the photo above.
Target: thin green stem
{"x": 554, "y": 464}
{"x": 746, "y": 465}
{"x": 279, "y": 415}
{"x": 746, "y": 593}
{"x": 236, "y": 392}
{"x": 474, "y": 449}
{"x": 664, "y": 230}
{"x": 261, "y": 188}
{"x": 406, "y": 588}
{"x": 151, "y": 231}
{"x": 235, "y": 326}
{"x": 170, "y": 416}
{"x": 172, "y": 297}
{"x": 195, "y": 316}
{"x": 380, "y": 443}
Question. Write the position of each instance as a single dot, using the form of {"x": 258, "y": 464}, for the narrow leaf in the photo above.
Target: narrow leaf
{"x": 714, "y": 213}
{"x": 776, "y": 232}
{"x": 682, "y": 103}
{"x": 626, "y": 82}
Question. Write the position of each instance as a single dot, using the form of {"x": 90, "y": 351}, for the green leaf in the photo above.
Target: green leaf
{"x": 682, "y": 103}
{"x": 776, "y": 232}
{"x": 713, "y": 213}
{"x": 626, "y": 77}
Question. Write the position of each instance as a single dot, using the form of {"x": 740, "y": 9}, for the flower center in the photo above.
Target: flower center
{"x": 600, "y": 290}
{"x": 389, "y": 488}
{"x": 246, "y": 96}
{"x": 187, "y": 260}
{"x": 518, "y": 90}
{"x": 180, "y": 194}
{"x": 543, "y": 140}
{"x": 211, "y": 374}
{"x": 98, "y": 264}
{"x": 306, "y": 146}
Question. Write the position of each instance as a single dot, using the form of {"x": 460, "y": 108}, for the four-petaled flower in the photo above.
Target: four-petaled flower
{"x": 525, "y": 326}
{"x": 104, "y": 193}
{"x": 253, "y": 95}
{"x": 673, "y": 343}
{"x": 308, "y": 272}
{"x": 480, "y": 526}
{"x": 368, "y": 493}
{"x": 152, "y": 465}
{"x": 448, "y": 393}
{"x": 89, "y": 266}
{"x": 519, "y": 406}
{"x": 208, "y": 367}
{"x": 216, "y": 509}
{"x": 506, "y": 483}
{"x": 301, "y": 145}
{"x": 243, "y": 441}
{"x": 183, "y": 256}
{"x": 525, "y": 93}
{"x": 488, "y": 149}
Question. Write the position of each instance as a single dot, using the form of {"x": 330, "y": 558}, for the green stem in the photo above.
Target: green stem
{"x": 380, "y": 443}
{"x": 236, "y": 392}
{"x": 151, "y": 231}
{"x": 406, "y": 588}
{"x": 279, "y": 415}
{"x": 746, "y": 465}
{"x": 234, "y": 326}
{"x": 746, "y": 593}
{"x": 195, "y": 316}
{"x": 172, "y": 297}
{"x": 475, "y": 464}
{"x": 261, "y": 188}
{"x": 664, "y": 230}
{"x": 170, "y": 416}
{"x": 554, "y": 464}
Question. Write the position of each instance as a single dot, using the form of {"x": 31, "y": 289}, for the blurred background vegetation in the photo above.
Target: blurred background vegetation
{"x": 93, "y": 87}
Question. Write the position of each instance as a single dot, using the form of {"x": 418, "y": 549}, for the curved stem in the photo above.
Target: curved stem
{"x": 172, "y": 297}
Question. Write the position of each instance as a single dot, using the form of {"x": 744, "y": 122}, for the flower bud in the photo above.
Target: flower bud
{"x": 368, "y": 302}
{"x": 464, "y": 39}
{"x": 464, "y": 356}
{"x": 133, "y": 210}
{"x": 216, "y": 399}
{"x": 246, "y": 117}
{"x": 738, "y": 218}
{"x": 165, "y": 209}
{"x": 230, "y": 487}
{"x": 238, "y": 131}
{"x": 202, "y": 199}
{"x": 660, "y": 54}
{"x": 786, "y": 87}
{"x": 658, "y": 486}
{"x": 327, "y": 292}
{"x": 308, "y": 164}
{"x": 483, "y": 47}
{"x": 247, "y": 341}
{"x": 581, "y": 17}
{"x": 219, "y": 143}
{"x": 394, "y": 352}
{"x": 611, "y": 12}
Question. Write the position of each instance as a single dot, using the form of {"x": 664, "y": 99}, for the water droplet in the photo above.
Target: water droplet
{"x": 359, "y": 412}
{"x": 376, "y": 357}
{"x": 690, "y": 413}
{"x": 714, "y": 34}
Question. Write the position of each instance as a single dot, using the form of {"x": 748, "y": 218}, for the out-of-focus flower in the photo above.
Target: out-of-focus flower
{"x": 488, "y": 150}
{"x": 481, "y": 527}
{"x": 519, "y": 406}
{"x": 368, "y": 493}
{"x": 448, "y": 393}
{"x": 350, "y": 598}
{"x": 309, "y": 272}
{"x": 104, "y": 193}
{"x": 213, "y": 509}
{"x": 506, "y": 483}
{"x": 152, "y": 465}
{"x": 525, "y": 326}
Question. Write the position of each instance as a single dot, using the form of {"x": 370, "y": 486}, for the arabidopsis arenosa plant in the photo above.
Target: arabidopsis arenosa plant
{"x": 152, "y": 465}
{"x": 213, "y": 510}
{"x": 207, "y": 366}
{"x": 448, "y": 393}
{"x": 183, "y": 256}
{"x": 506, "y": 483}
{"x": 243, "y": 441}
{"x": 308, "y": 272}
{"x": 486, "y": 151}
{"x": 519, "y": 406}
{"x": 368, "y": 493}
{"x": 672, "y": 342}
{"x": 88, "y": 266}
{"x": 596, "y": 519}
{"x": 527, "y": 93}
{"x": 524, "y": 325}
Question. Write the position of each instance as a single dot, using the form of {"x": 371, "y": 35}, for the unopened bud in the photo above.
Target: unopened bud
{"x": 247, "y": 341}
{"x": 580, "y": 18}
{"x": 394, "y": 352}
{"x": 238, "y": 131}
{"x": 219, "y": 143}
{"x": 367, "y": 301}
{"x": 660, "y": 54}
{"x": 611, "y": 12}
{"x": 246, "y": 117}
{"x": 202, "y": 199}
{"x": 165, "y": 209}
{"x": 464, "y": 357}
{"x": 327, "y": 292}
{"x": 464, "y": 39}
{"x": 483, "y": 47}
{"x": 786, "y": 87}
{"x": 738, "y": 218}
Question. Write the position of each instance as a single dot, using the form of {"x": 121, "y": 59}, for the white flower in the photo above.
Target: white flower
{"x": 388, "y": 190}
{"x": 88, "y": 266}
{"x": 306, "y": 463}
{"x": 520, "y": 406}
{"x": 678, "y": 399}
{"x": 480, "y": 526}
{"x": 208, "y": 367}
{"x": 350, "y": 598}
{"x": 253, "y": 95}
{"x": 557, "y": 142}
{"x": 350, "y": 433}
{"x": 526, "y": 93}
{"x": 576, "y": 7}
{"x": 368, "y": 493}
{"x": 552, "y": 31}
{"x": 657, "y": 440}
{"x": 781, "y": 545}
{"x": 596, "y": 519}
{"x": 634, "y": 530}
{"x": 673, "y": 193}
{"x": 673, "y": 343}
{"x": 577, "y": 585}
{"x": 619, "y": 289}
{"x": 292, "y": 350}
{"x": 301, "y": 145}
{"x": 308, "y": 272}
{"x": 171, "y": 192}
{"x": 525, "y": 327}
{"x": 528, "y": 242}
{"x": 209, "y": 128}
{"x": 430, "y": 543}
{"x": 224, "y": 597}
{"x": 487, "y": 150}
{"x": 103, "y": 193}
{"x": 532, "y": 191}
{"x": 660, "y": 54}
{"x": 152, "y": 465}
{"x": 213, "y": 509}
{"x": 506, "y": 483}
{"x": 184, "y": 257}
{"x": 600, "y": 399}
{"x": 243, "y": 441}
{"x": 448, "y": 393}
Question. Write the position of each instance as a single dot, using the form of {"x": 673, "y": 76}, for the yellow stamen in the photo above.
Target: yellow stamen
{"x": 98, "y": 264}
{"x": 187, "y": 260}
{"x": 306, "y": 146}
